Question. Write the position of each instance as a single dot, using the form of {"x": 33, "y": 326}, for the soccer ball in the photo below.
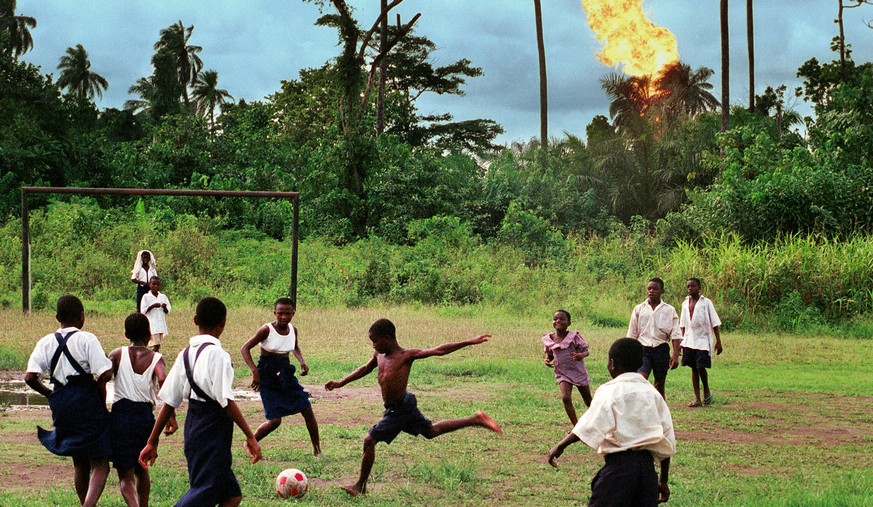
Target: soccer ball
{"x": 291, "y": 483}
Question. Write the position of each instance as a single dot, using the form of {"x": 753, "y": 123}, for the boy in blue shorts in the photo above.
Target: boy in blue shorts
{"x": 401, "y": 410}
{"x": 203, "y": 375}
{"x": 630, "y": 425}
{"x": 73, "y": 359}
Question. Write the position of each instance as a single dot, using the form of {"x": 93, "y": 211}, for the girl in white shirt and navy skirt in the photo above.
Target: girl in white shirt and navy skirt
{"x": 281, "y": 393}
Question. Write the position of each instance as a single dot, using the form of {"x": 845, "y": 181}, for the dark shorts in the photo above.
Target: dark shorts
{"x": 657, "y": 360}
{"x": 130, "y": 425}
{"x": 696, "y": 359}
{"x": 627, "y": 479}
{"x": 403, "y": 416}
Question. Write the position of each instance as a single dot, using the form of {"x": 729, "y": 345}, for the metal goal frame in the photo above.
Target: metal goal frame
{"x": 25, "y": 220}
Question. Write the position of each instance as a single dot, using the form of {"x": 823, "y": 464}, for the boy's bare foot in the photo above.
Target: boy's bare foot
{"x": 353, "y": 490}
{"x": 486, "y": 421}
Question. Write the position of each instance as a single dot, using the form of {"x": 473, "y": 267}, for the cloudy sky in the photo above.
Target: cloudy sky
{"x": 255, "y": 44}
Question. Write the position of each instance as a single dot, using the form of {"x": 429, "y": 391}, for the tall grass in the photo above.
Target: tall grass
{"x": 797, "y": 283}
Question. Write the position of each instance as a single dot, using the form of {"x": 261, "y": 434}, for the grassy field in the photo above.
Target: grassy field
{"x": 791, "y": 423}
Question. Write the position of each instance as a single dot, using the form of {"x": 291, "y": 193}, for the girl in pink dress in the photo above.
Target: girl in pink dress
{"x": 565, "y": 351}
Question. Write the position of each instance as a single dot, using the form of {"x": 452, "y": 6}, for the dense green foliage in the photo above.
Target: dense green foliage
{"x": 418, "y": 208}
{"x": 797, "y": 283}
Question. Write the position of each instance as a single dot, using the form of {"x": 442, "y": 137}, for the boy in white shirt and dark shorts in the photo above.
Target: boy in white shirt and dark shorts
{"x": 630, "y": 425}
{"x": 699, "y": 323}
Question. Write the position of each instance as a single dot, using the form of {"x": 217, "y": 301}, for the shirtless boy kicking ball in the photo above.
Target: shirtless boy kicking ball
{"x": 401, "y": 411}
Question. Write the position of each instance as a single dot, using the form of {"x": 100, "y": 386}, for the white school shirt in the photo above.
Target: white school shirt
{"x": 212, "y": 372}
{"x": 698, "y": 328}
{"x": 157, "y": 317}
{"x": 143, "y": 275}
{"x": 84, "y": 347}
{"x": 132, "y": 386}
{"x": 654, "y": 327}
{"x": 628, "y": 413}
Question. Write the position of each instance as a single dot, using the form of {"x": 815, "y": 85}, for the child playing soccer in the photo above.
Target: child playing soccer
{"x": 565, "y": 351}
{"x": 156, "y": 306}
{"x": 281, "y": 393}
{"x": 401, "y": 411}
{"x": 137, "y": 371}
{"x": 73, "y": 359}
{"x": 698, "y": 323}
{"x": 629, "y": 424}
{"x": 203, "y": 375}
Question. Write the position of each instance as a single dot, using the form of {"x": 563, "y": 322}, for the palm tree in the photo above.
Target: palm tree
{"x": 145, "y": 88}
{"x": 544, "y": 89}
{"x": 684, "y": 93}
{"x": 750, "y": 38}
{"x": 15, "y": 30}
{"x": 725, "y": 67}
{"x": 207, "y": 95}
{"x": 630, "y": 98}
{"x": 76, "y": 74}
{"x": 174, "y": 39}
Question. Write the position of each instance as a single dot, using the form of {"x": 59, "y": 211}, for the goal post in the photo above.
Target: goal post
{"x": 25, "y": 220}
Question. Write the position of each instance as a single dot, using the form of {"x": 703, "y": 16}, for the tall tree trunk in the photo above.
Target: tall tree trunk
{"x": 725, "y": 67}
{"x": 383, "y": 67}
{"x": 842, "y": 41}
{"x": 544, "y": 88}
{"x": 750, "y": 37}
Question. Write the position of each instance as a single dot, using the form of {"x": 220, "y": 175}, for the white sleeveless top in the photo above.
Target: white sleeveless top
{"x": 134, "y": 387}
{"x": 279, "y": 343}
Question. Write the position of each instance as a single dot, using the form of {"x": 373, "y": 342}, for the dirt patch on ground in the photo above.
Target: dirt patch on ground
{"x": 803, "y": 420}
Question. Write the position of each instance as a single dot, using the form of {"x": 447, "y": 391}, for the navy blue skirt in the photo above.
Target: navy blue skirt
{"x": 80, "y": 419}
{"x": 140, "y": 292}
{"x": 281, "y": 393}
{"x": 208, "y": 437}
{"x": 130, "y": 425}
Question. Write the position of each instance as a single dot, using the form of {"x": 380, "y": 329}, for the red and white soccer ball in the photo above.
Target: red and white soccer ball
{"x": 291, "y": 483}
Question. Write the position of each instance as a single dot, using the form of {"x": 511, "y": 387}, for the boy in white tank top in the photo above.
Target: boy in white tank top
{"x": 281, "y": 393}
{"x": 138, "y": 372}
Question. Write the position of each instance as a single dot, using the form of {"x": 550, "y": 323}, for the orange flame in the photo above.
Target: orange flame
{"x": 629, "y": 38}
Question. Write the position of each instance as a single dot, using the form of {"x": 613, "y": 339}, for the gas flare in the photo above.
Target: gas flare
{"x": 629, "y": 39}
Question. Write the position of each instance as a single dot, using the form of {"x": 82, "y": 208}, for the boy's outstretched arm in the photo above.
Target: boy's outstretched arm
{"x": 149, "y": 453}
{"x": 558, "y": 449}
{"x": 360, "y": 372}
{"x": 252, "y": 446}
{"x": 448, "y": 348}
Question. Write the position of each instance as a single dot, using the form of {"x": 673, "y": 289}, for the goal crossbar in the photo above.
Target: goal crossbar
{"x": 25, "y": 220}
